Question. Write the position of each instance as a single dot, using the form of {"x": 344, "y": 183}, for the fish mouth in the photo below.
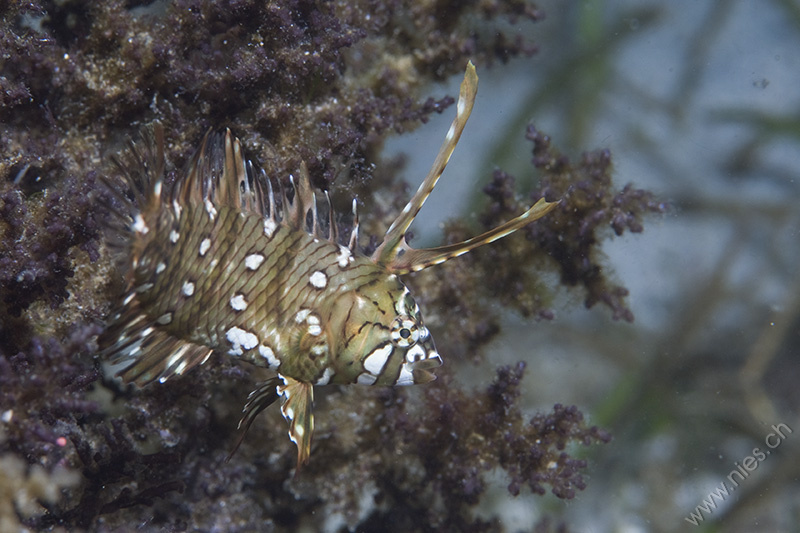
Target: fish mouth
{"x": 432, "y": 361}
{"x": 420, "y": 369}
{"x": 423, "y": 376}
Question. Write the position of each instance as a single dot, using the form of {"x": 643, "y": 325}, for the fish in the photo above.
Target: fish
{"x": 219, "y": 261}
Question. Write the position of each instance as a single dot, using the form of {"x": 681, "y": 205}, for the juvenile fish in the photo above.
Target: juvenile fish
{"x": 218, "y": 262}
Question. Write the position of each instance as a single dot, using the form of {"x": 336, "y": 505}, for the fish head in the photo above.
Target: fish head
{"x": 384, "y": 341}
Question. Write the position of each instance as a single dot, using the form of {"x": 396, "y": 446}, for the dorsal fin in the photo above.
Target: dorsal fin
{"x": 303, "y": 201}
{"x": 333, "y": 228}
{"x": 135, "y": 196}
{"x": 218, "y": 175}
{"x": 394, "y": 252}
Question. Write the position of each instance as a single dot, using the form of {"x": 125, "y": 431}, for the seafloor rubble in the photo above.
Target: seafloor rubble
{"x": 320, "y": 82}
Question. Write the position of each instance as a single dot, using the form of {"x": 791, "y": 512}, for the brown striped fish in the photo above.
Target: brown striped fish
{"x": 220, "y": 262}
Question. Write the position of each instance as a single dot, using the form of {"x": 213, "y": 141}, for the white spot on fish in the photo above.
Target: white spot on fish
{"x": 405, "y": 377}
{"x": 240, "y": 340}
{"x": 301, "y": 315}
{"x": 313, "y": 325}
{"x": 375, "y": 361}
{"x": 212, "y": 212}
{"x": 174, "y": 236}
{"x": 318, "y": 280}
{"x": 144, "y": 287}
{"x": 345, "y": 257}
{"x": 267, "y": 353}
{"x": 366, "y": 379}
{"x": 139, "y": 225}
{"x": 269, "y": 227}
{"x": 188, "y": 288}
{"x": 319, "y": 349}
{"x": 238, "y": 303}
{"x": 165, "y": 319}
{"x": 325, "y": 378}
{"x": 205, "y": 245}
{"x": 400, "y": 305}
{"x": 160, "y": 268}
{"x": 253, "y": 261}
{"x": 415, "y": 353}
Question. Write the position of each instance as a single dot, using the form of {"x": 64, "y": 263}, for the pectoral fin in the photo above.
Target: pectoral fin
{"x": 258, "y": 400}
{"x": 297, "y": 402}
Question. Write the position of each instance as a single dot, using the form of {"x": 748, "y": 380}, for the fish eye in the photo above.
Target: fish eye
{"x": 405, "y": 332}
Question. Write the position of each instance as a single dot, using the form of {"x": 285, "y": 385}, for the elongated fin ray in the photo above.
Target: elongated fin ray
{"x": 190, "y": 189}
{"x": 354, "y": 232}
{"x": 258, "y": 400}
{"x": 304, "y": 201}
{"x": 414, "y": 260}
{"x": 297, "y": 399}
{"x": 333, "y": 228}
{"x": 395, "y": 236}
{"x": 394, "y": 252}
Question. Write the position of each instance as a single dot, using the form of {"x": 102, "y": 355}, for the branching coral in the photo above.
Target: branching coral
{"x": 589, "y": 204}
{"x": 23, "y": 490}
{"x": 589, "y": 209}
{"x": 321, "y": 82}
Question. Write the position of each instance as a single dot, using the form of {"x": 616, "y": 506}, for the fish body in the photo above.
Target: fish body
{"x": 218, "y": 262}
{"x": 271, "y": 295}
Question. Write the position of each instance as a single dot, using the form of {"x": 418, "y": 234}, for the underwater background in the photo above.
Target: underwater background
{"x": 627, "y": 363}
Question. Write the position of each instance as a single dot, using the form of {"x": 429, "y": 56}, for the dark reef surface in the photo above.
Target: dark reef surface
{"x": 298, "y": 80}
